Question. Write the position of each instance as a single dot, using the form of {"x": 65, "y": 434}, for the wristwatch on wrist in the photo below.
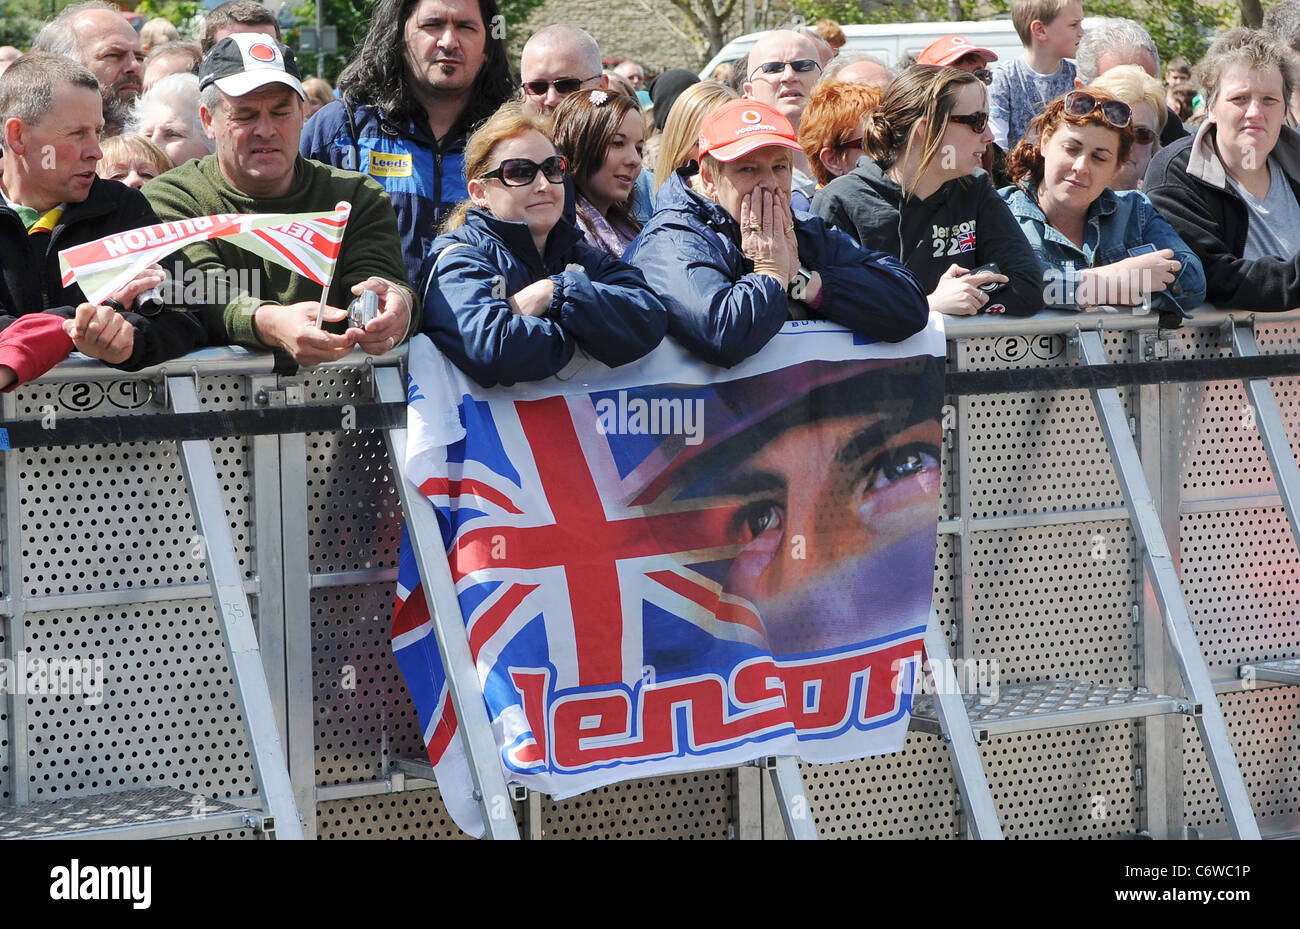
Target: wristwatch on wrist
{"x": 799, "y": 284}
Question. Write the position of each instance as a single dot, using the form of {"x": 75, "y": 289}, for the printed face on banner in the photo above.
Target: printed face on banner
{"x": 682, "y": 575}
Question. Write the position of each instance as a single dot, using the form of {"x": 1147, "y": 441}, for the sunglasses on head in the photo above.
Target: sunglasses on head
{"x": 565, "y": 85}
{"x": 520, "y": 172}
{"x": 976, "y": 121}
{"x": 802, "y": 66}
{"x": 1116, "y": 112}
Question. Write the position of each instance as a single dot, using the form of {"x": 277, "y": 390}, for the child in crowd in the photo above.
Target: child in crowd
{"x": 1050, "y": 31}
{"x": 131, "y": 159}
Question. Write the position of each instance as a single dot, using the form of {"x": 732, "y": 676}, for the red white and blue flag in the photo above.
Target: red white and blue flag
{"x": 966, "y": 241}
{"x": 671, "y": 566}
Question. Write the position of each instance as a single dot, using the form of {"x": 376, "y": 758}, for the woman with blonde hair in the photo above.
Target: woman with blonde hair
{"x": 921, "y": 195}
{"x": 511, "y": 290}
{"x": 131, "y": 159}
{"x": 680, "y": 139}
{"x": 1146, "y": 98}
{"x": 602, "y": 135}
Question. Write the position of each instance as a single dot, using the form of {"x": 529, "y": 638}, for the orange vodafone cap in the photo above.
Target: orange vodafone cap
{"x": 950, "y": 48}
{"x": 738, "y": 127}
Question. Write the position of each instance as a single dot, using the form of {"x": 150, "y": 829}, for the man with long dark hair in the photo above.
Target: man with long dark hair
{"x": 426, "y": 73}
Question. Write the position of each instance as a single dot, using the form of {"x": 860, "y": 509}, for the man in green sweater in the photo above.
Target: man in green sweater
{"x": 251, "y": 104}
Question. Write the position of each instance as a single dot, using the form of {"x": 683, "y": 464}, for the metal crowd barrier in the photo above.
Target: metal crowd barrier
{"x": 1113, "y": 545}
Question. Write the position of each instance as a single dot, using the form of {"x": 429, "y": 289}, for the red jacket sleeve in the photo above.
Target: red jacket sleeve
{"x": 33, "y": 344}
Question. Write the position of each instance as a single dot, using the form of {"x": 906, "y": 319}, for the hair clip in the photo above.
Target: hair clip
{"x": 598, "y": 97}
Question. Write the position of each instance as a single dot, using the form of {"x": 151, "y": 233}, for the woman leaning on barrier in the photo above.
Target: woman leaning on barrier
{"x": 921, "y": 194}
{"x": 511, "y": 290}
{"x": 1098, "y": 247}
{"x": 1233, "y": 190}
{"x": 733, "y": 263}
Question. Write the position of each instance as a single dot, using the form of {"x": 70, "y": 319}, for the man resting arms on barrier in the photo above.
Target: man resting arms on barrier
{"x": 251, "y": 104}
{"x": 50, "y": 121}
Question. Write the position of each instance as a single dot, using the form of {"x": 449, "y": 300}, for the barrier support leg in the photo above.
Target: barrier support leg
{"x": 1164, "y": 579}
{"x": 1269, "y": 419}
{"x": 236, "y": 620}
{"x": 792, "y": 799}
{"x": 465, "y": 690}
{"x": 967, "y": 766}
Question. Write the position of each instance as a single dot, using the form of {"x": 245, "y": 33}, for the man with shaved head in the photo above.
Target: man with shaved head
{"x": 96, "y": 35}
{"x": 558, "y": 61}
{"x": 783, "y": 66}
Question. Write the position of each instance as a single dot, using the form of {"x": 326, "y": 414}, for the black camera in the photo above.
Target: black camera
{"x": 991, "y": 287}
{"x": 363, "y": 309}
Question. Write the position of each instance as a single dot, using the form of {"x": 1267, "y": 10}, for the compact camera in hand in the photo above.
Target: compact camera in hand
{"x": 363, "y": 309}
{"x": 990, "y": 287}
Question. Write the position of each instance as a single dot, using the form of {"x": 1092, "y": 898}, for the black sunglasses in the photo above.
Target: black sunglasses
{"x": 802, "y": 66}
{"x": 1144, "y": 135}
{"x": 1116, "y": 112}
{"x": 565, "y": 85}
{"x": 984, "y": 74}
{"x": 520, "y": 172}
{"x": 976, "y": 121}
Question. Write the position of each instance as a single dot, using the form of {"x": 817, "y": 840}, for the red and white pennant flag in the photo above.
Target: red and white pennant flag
{"x": 307, "y": 243}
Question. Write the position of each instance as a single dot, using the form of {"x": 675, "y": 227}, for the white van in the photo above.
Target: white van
{"x": 892, "y": 41}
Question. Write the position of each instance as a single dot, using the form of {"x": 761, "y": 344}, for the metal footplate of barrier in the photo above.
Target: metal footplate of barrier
{"x": 444, "y": 610}
{"x": 1051, "y": 705}
{"x": 235, "y": 617}
{"x": 156, "y": 813}
{"x": 1163, "y": 578}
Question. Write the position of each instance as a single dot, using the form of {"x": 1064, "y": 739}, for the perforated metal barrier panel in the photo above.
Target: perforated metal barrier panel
{"x": 1038, "y": 574}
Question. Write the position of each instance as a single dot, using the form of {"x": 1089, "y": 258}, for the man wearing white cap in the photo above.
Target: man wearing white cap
{"x": 251, "y": 105}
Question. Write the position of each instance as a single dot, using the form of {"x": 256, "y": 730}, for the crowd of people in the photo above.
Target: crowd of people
{"x": 579, "y": 204}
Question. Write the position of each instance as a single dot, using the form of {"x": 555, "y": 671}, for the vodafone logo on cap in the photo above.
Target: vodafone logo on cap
{"x": 262, "y": 52}
{"x": 750, "y": 116}
{"x": 958, "y": 40}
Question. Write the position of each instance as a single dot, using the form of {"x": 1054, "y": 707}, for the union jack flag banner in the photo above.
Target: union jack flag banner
{"x": 671, "y": 566}
{"x": 304, "y": 242}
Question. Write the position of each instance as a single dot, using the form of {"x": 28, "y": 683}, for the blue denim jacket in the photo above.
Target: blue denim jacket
{"x": 1117, "y": 222}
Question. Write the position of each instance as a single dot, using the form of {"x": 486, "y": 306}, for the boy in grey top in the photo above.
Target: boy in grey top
{"x": 1050, "y": 31}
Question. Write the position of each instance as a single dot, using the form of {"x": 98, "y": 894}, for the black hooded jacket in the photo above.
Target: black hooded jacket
{"x": 964, "y": 222}
{"x": 31, "y": 281}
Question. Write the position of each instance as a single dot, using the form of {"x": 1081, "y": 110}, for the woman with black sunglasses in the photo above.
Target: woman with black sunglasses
{"x": 1097, "y": 246}
{"x": 511, "y": 290}
{"x": 921, "y": 194}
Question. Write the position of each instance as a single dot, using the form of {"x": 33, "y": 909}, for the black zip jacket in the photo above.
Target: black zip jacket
{"x": 31, "y": 281}
{"x": 1189, "y": 186}
{"x": 964, "y": 222}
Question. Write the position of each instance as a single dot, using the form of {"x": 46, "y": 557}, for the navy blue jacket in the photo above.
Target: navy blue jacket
{"x": 600, "y": 303}
{"x": 723, "y": 311}
{"x": 424, "y": 181}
